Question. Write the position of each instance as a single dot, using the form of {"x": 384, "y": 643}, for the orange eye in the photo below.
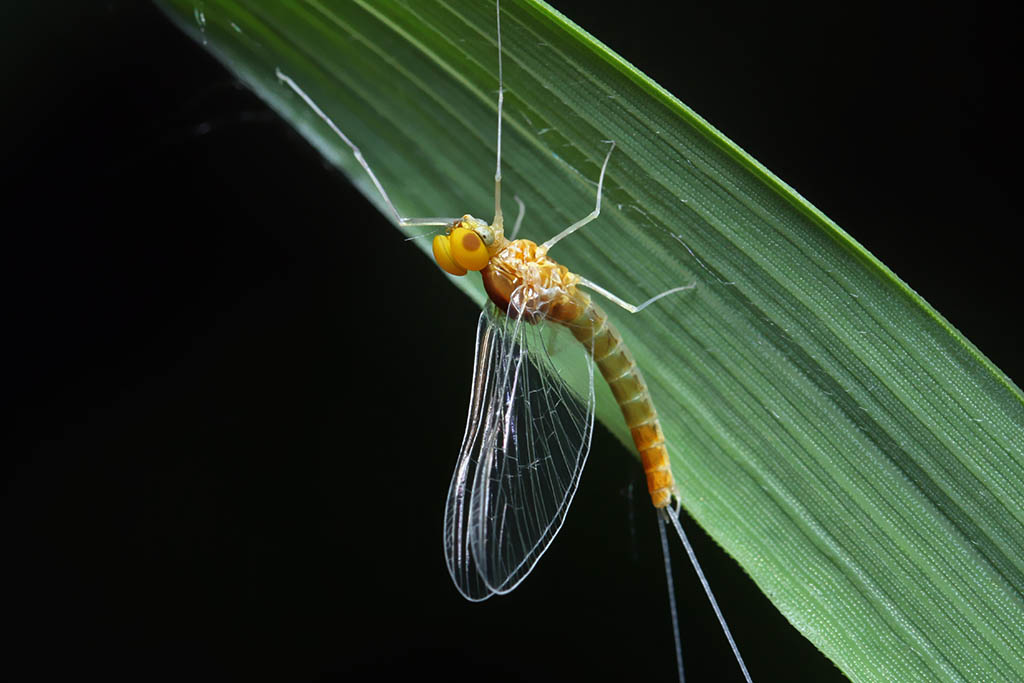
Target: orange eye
{"x": 443, "y": 256}
{"x": 468, "y": 249}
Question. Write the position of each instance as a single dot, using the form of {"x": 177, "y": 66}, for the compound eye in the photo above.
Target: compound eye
{"x": 468, "y": 250}
{"x": 443, "y": 255}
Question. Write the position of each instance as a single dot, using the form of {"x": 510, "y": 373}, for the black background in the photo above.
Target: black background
{"x": 236, "y": 394}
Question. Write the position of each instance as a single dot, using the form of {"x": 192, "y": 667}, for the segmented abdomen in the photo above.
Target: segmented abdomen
{"x": 593, "y": 329}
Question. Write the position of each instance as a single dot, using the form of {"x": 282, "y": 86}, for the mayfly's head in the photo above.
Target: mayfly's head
{"x": 467, "y": 244}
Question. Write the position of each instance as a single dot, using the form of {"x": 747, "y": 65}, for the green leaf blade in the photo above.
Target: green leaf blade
{"x": 861, "y": 459}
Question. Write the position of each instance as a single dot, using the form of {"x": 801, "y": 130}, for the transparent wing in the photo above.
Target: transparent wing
{"x": 527, "y": 438}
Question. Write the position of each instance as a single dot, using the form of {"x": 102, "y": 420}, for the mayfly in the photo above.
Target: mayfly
{"x": 528, "y": 435}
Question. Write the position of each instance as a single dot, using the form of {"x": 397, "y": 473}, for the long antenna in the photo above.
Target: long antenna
{"x": 501, "y": 102}
{"x": 674, "y": 520}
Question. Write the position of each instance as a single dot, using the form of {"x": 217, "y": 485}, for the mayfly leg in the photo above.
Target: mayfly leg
{"x": 402, "y": 220}
{"x": 519, "y": 218}
{"x": 632, "y": 308}
{"x": 597, "y": 207}
{"x": 618, "y": 301}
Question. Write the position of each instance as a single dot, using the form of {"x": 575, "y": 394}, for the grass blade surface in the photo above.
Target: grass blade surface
{"x": 858, "y": 456}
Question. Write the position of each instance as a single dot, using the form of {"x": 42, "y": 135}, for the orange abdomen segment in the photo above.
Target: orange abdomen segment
{"x": 619, "y": 369}
{"x": 660, "y": 483}
{"x": 650, "y": 443}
